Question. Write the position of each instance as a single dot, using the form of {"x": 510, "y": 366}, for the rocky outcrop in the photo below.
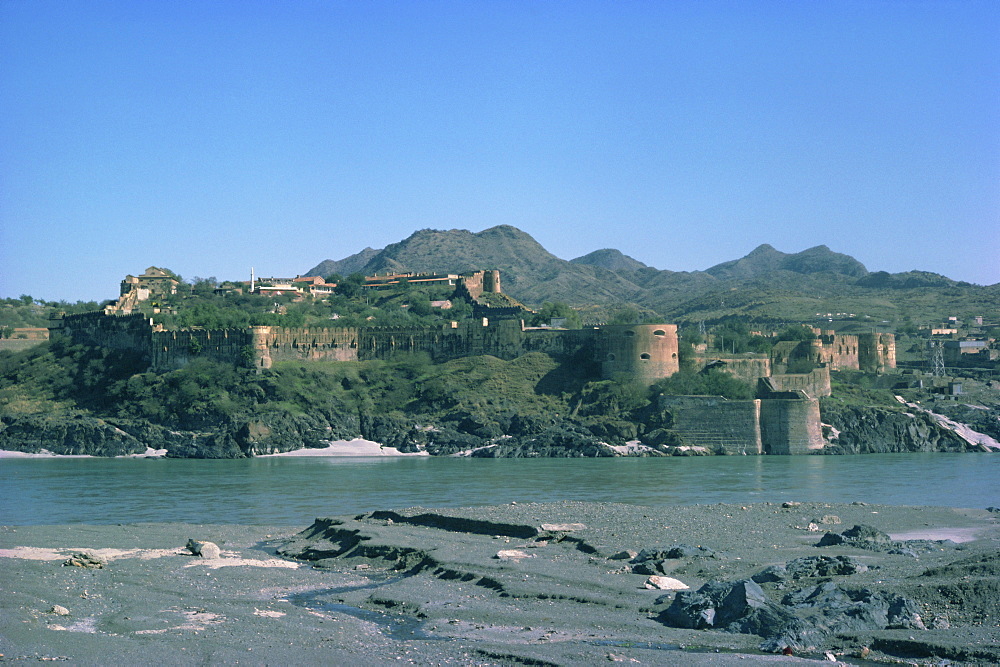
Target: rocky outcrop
{"x": 240, "y": 437}
{"x": 880, "y": 430}
{"x": 853, "y": 429}
{"x": 67, "y": 434}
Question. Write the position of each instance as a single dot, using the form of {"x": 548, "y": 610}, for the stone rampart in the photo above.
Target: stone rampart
{"x": 747, "y": 367}
{"x": 171, "y": 350}
{"x": 816, "y": 383}
{"x": 873, "y": 353}
{"x": 732, "y": 427}
{"x": 791, "y": 425}
{"x": 113, "y": 331}
{"x": 641, "y": 353}
{"x": 304, "y": 344}
{"x": 786, "y": 425}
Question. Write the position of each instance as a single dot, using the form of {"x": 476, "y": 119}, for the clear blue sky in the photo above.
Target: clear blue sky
{"x": 209, "y": 137}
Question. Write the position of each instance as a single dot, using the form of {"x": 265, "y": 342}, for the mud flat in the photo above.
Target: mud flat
{"x": 540, "y": 584}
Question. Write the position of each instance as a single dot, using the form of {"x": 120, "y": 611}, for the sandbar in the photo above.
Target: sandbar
{"x": 532, "y": 583}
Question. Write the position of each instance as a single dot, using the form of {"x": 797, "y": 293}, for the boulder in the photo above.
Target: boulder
{"x": 823, "y": 566}
{"x": 665, "y": 584}
{"x": 84, "y": 559}
{"x": 740, "y": 606}
{"x": 673, "y": 552}
{"x": 204, "y": 549}
{"x": 860, "y": 537}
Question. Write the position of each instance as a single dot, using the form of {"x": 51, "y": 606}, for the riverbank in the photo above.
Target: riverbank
{"x": 555, "y": 583}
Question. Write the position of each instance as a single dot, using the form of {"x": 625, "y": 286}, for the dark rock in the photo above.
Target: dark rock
{"x": 823, "y": 566}
{"x": 860, "y": 537}
{"x": 830, "y": 609}
{"x": 804, "y": 617}
{"x": 649, "y": 567}
{"x": 674, "y": 552}
{"x": 772, "y": 574}
{"x": 880, "y": 430}
{"x": 67, "y": 433}
{"x": 740, "y": 606}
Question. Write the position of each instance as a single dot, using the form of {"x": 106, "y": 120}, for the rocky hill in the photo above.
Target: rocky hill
{"x": 610, "y": 259}
{"x": 766, "y": 285}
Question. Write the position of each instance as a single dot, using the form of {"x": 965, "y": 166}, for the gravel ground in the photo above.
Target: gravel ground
{"x": 534, "y": 584}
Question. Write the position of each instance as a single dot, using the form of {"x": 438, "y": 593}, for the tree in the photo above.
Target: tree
{"x": 797, "y": 332}
{"x": 556, "y": 310}
{"x": 351, "y": 286}
{"x": 626, "y": 315}
{"x": 712, "y": 382}
{"x": 203, "y": 286}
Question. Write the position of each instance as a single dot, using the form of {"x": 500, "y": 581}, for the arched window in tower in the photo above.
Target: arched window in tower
{"x": 644, "y": 356}
{"x": 659, "y": 332}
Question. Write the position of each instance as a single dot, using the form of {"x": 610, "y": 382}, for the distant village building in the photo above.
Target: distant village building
{"x": 391, "y": 280}
{"x": 959, "y": 351}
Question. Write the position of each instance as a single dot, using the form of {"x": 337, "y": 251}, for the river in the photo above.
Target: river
{"x": 293, "y": 491}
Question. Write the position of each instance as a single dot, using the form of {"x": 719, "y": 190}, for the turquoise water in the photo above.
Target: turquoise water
{"x": 293, "y": 491}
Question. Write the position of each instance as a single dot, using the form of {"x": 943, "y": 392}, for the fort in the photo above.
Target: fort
{"x": 783, "y": 419}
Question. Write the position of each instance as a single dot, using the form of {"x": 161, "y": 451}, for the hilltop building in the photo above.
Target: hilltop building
{"x": 154, "y": 284}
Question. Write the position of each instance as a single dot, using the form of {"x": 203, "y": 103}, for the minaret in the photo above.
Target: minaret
{"x": 252, "y": 280}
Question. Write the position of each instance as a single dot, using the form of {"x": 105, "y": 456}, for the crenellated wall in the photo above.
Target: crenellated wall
{"x": 263, "y": 346}
{"x": 114, "y": 331}
{"x": 303, "y": 344}
{"x": 170, "y": 350}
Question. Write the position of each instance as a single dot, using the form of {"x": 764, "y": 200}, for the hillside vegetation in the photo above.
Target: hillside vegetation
{"x": 765, "y": 286}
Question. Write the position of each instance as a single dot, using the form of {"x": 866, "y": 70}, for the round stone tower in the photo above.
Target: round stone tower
{"x": 642, "y": 353}
{"x": 259, "y": 336}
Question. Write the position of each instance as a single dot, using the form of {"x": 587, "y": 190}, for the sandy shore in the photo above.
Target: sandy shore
{"x": 542, "y": 584}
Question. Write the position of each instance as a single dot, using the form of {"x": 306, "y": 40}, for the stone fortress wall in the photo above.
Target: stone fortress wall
{"x": 641, "y": 353}
{"x": 870, "y": 352}
{"x": 784, "y": 419}
{"x": 716, "y": 423}
{"x": 785, "y": 423}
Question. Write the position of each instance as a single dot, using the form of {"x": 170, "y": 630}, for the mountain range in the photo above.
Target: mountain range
{"x": 765, "y": 285}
